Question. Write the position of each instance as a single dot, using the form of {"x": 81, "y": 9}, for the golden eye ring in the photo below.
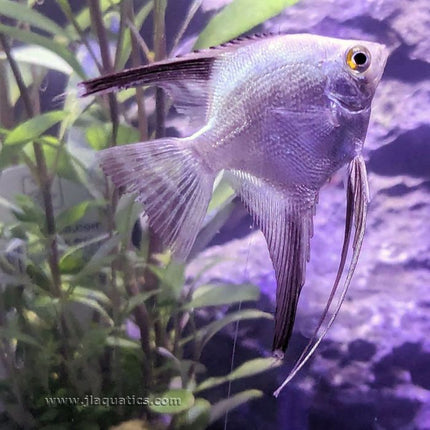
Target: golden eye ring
{"x": 358, "y": 59}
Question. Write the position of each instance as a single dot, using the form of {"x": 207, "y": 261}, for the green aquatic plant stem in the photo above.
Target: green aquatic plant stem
{"x": 135, "y": 61}
{"x": 6, "y": 111}
{"x": 155, "y": 245}
{"x": 144, "y": 324}
{"x": 160, "y": 54}
{"x": 67, "y": 11}
{"x": 43, "y": 177}
{"x": 97, "y": 20}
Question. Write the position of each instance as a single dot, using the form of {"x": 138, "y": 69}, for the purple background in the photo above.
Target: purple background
{"x": 373, "y": 369}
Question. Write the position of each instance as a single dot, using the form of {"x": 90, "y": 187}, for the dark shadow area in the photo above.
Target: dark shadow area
{"x": 409, "y": 154}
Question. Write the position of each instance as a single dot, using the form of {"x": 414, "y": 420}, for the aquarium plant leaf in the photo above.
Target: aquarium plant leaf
{"x": 102, "y": 256}
{"x": 12, "y": 333}
{"x": 21, "y": 12}
{"x": 34, "y": 127}
{"x": 115, "y": 341}
{"x": 92, "y": 294}
{"x": 172, "y": 401}
{"x": 195, "y": 418}
{"x": 249, "y": 368}
{"x": 40, "y": 56}
{"x": 238, "y": 17}
{"x": 72, "y": 215}
{"x": 219, "y": 409}
{"x": 35, "y": 39}
{"x": 213, "y": 328}
{"x": 215, "y": 295}
{"x": 93, "y": 304}
{"x": 138, "y": 299}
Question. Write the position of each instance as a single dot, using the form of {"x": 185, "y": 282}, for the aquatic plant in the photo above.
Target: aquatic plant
{"x": 73, "y": 288}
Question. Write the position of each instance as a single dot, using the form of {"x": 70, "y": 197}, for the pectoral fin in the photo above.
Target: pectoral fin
{"x": 287, "y": 227}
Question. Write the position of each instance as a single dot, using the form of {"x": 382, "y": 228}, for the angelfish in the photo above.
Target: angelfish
{"x": 280, "y": 114}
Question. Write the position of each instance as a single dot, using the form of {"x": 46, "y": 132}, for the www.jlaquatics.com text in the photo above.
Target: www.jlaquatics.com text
{"x": 90, "y": 400}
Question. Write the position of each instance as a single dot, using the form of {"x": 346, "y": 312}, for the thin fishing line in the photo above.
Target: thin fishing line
{"x": 236, "y": 331}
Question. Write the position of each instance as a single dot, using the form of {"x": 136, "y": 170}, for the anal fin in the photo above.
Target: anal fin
{"x": 287, "y": 226}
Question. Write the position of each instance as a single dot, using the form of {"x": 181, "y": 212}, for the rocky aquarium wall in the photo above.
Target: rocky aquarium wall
{"x": 372, "y": 371}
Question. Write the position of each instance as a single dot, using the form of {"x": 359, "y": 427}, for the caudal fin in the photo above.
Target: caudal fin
{"x": 169, "y": 181}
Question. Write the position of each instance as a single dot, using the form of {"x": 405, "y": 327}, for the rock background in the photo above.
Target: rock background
{"x": 372, "y": 371}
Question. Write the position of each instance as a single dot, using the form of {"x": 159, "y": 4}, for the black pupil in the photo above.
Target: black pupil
{"x": 360, "y": 58}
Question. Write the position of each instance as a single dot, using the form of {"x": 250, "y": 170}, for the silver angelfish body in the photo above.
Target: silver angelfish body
{"x": 280, "y": 114}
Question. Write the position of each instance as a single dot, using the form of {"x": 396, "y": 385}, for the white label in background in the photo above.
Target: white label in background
{"x": 65, "y": 194}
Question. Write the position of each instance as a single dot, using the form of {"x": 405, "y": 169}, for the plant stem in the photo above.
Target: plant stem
{"x": 155, "y": 245}
{"x": 160, "y": 54}
{"x": 143, "y": 321}
{"x": 65, "y": 7}
{"x": 97, "y": 20}
{"x": 44, "y": 179}
{"x": 135, "y": 60}
{"x": 190, "y": 15}
{"x": 6, "y": 110}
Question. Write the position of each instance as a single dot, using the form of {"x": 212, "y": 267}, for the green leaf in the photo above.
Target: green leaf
{"x": 172, "y": 401}
{"x": 39, "y": 56}
{"x": 138, "y": 299}
{"x": 74, "y": 253}
{"x": 118, "y": 342}
{"x": 172, "y": 280}
{"x": 249, "y": 368}
{"x": 98, "y": 136}
{"x": 11, "y": 333}
{"x": 223, "y": 193}
{"x": 35, "y": 39}
{"x": 102, "y": 256}
{"x": 93, "y": 304}
{"x": 196, "y": 418}
{"x": 127, "y": 213}
{"x": 21, "y": 12}
{"x": 72, "y": 215}
{"x": 127, "y": 134}
{"x": 207, "y": 332}
{"x": 219, "y": 409}
{"x": 34, "y": 127}
{"x": 237, "y": 18}
{"x": 72, "y": 262}
{"x": 226, "y": 294}
{"x": 91, "y": 294}
{"x": 211, "y": 228}
{"x": 29, "y": 210}
{"x": 38, "y": 277}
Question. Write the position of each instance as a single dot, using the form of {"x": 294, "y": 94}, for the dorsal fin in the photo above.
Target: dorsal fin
{"x": 194, "y": 66}
{"x": 185, "y": 78}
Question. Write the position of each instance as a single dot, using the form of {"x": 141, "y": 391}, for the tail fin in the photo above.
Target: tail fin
{"x": 171, "y": 183}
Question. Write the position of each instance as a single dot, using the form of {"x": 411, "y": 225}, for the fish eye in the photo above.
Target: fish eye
{"x": 358, "y": 59}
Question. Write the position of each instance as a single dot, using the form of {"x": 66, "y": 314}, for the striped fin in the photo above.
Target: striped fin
{"x": 172, "y": 185}
{"x": 287, "y": 227}
{"x": 185, "y": 78}
{"x": 357, "y": 194}
{"x": 193, "y": 66}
